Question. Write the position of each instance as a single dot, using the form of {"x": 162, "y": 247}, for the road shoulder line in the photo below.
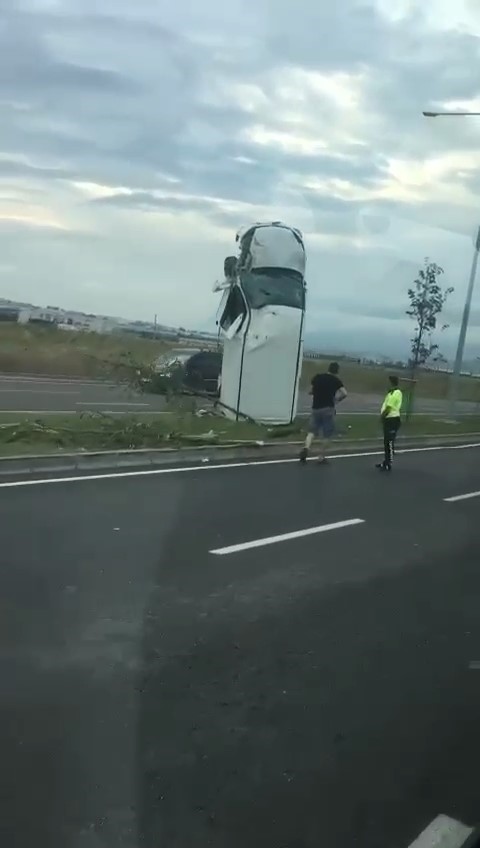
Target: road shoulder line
{"x": 465, "y": 497}
{"x": 205, "y": 466}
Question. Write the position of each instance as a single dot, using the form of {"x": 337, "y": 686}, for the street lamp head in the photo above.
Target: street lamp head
{"x": 450, "y": 114}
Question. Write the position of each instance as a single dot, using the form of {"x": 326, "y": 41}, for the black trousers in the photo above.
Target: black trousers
{"x": 391, "y": 427}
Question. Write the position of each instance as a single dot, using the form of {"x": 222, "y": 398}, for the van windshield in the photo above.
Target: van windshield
{"x": 273, "y": 287}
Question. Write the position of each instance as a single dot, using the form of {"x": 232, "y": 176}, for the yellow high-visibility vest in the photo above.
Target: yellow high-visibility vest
{"x": 393, "y": 399}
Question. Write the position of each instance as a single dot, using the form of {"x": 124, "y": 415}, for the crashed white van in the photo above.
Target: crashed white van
{"x": 261, "y": 319}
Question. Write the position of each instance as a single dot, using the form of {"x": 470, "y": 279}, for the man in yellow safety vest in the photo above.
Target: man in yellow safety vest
{"x": 391, "y": 409}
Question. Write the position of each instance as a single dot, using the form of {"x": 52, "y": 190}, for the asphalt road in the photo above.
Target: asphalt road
{"x": 50, "y": 395}
{"x": 43, "y": 394}
{"x": 159, "y": 688}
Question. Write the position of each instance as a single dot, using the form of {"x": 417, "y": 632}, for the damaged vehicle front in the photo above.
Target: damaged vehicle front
{"x": 186, "y": 370}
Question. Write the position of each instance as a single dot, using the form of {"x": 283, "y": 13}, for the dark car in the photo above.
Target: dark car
{"x": 199, "y": 370}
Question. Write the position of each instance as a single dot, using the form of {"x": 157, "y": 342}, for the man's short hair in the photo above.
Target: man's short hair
{"x": 333, "y": 368}
{"x": 394, "y": 380}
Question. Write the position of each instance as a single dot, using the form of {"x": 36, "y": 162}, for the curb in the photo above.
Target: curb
{"x": 147, "y": 457}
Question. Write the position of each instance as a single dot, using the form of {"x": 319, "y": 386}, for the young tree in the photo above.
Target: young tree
{"x": 440, "y": 360}
{"x": 427, "y": 299}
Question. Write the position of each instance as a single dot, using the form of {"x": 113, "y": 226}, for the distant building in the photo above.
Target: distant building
{"x": 70, "y": 320}
{"x": 37, "y": 315}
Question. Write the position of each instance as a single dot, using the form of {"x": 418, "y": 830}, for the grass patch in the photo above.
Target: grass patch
{"x": 370, "y": 379}
{"x": 369, "y": 426}
{"x": 64, "y": 433}
{"x": 42, "y": 350}
{"x": 84, "y": 431}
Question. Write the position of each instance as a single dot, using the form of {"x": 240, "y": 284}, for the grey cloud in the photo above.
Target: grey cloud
{"x": 444, "y": 67}
{"x": 68, "y": 75}
{"x": 95, "y": 159}
{"x": 409, "y": 67}
{"x": 223, "y": 172}
{"x": 171, "y": 139}
{"x": 164, "y": 129}
{"x": 200, "y": 139}
{"x": 331, "y": 216}
{"x": 133, "y": 103}
{"x": 305, "y": 38}
{"x": 163, "y": 75}
{"x": 10, "y": 168}
{"x": 387, "y": 311}
{"x": 363, "y": 169}
{"x": 25, "y": 234}
{"x": 144, "y": 201}
{"x": 26, "y": 67}
{"x": 422, "y": 72}
{"x": 449, "y": 218}
{"x": 86, "y": 23}
{"x": 470, "y": 178}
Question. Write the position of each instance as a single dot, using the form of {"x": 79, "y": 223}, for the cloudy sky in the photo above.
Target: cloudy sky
{"x": 135, "y": 141}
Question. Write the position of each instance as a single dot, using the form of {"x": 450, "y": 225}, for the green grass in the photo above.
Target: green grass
{"x": 41, "y": 350}
{"x": 368, "y": 426}
{"x": 66, "y": 433}
{"x": 366, "y": 379}
{"x": 27, "y": 434}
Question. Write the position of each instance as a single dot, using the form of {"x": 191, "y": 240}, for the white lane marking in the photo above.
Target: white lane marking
{"x": 11, "y": 484}
{"x": 438, "y": 447}
{"x": 108, "y": 402}
{"x": 284, "y": 537}
{"x": 463, "y": 497}
{"x": 75, "y": 412}
{"x": 474, "y": 665}
{"x": 37, "y": 392}
{"x": 443, "y": 832}
{"x": 45, "y": 381}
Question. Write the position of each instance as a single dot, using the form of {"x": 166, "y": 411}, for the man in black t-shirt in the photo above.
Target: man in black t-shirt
{"x": 327, "y": 390}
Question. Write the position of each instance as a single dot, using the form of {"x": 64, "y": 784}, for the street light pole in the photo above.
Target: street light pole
{"x": 471, "y": 284}
{"x": 448, "y": 114}
{"x": 457, "y": 368}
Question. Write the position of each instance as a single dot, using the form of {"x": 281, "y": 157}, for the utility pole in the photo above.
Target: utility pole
{"x": 471, "y": 283}
{"x": 457, "y": 368}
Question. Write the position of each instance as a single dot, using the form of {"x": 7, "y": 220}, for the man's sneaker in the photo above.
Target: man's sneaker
{"x": 382, "y": 466}
{"x": 303, "y": 455}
